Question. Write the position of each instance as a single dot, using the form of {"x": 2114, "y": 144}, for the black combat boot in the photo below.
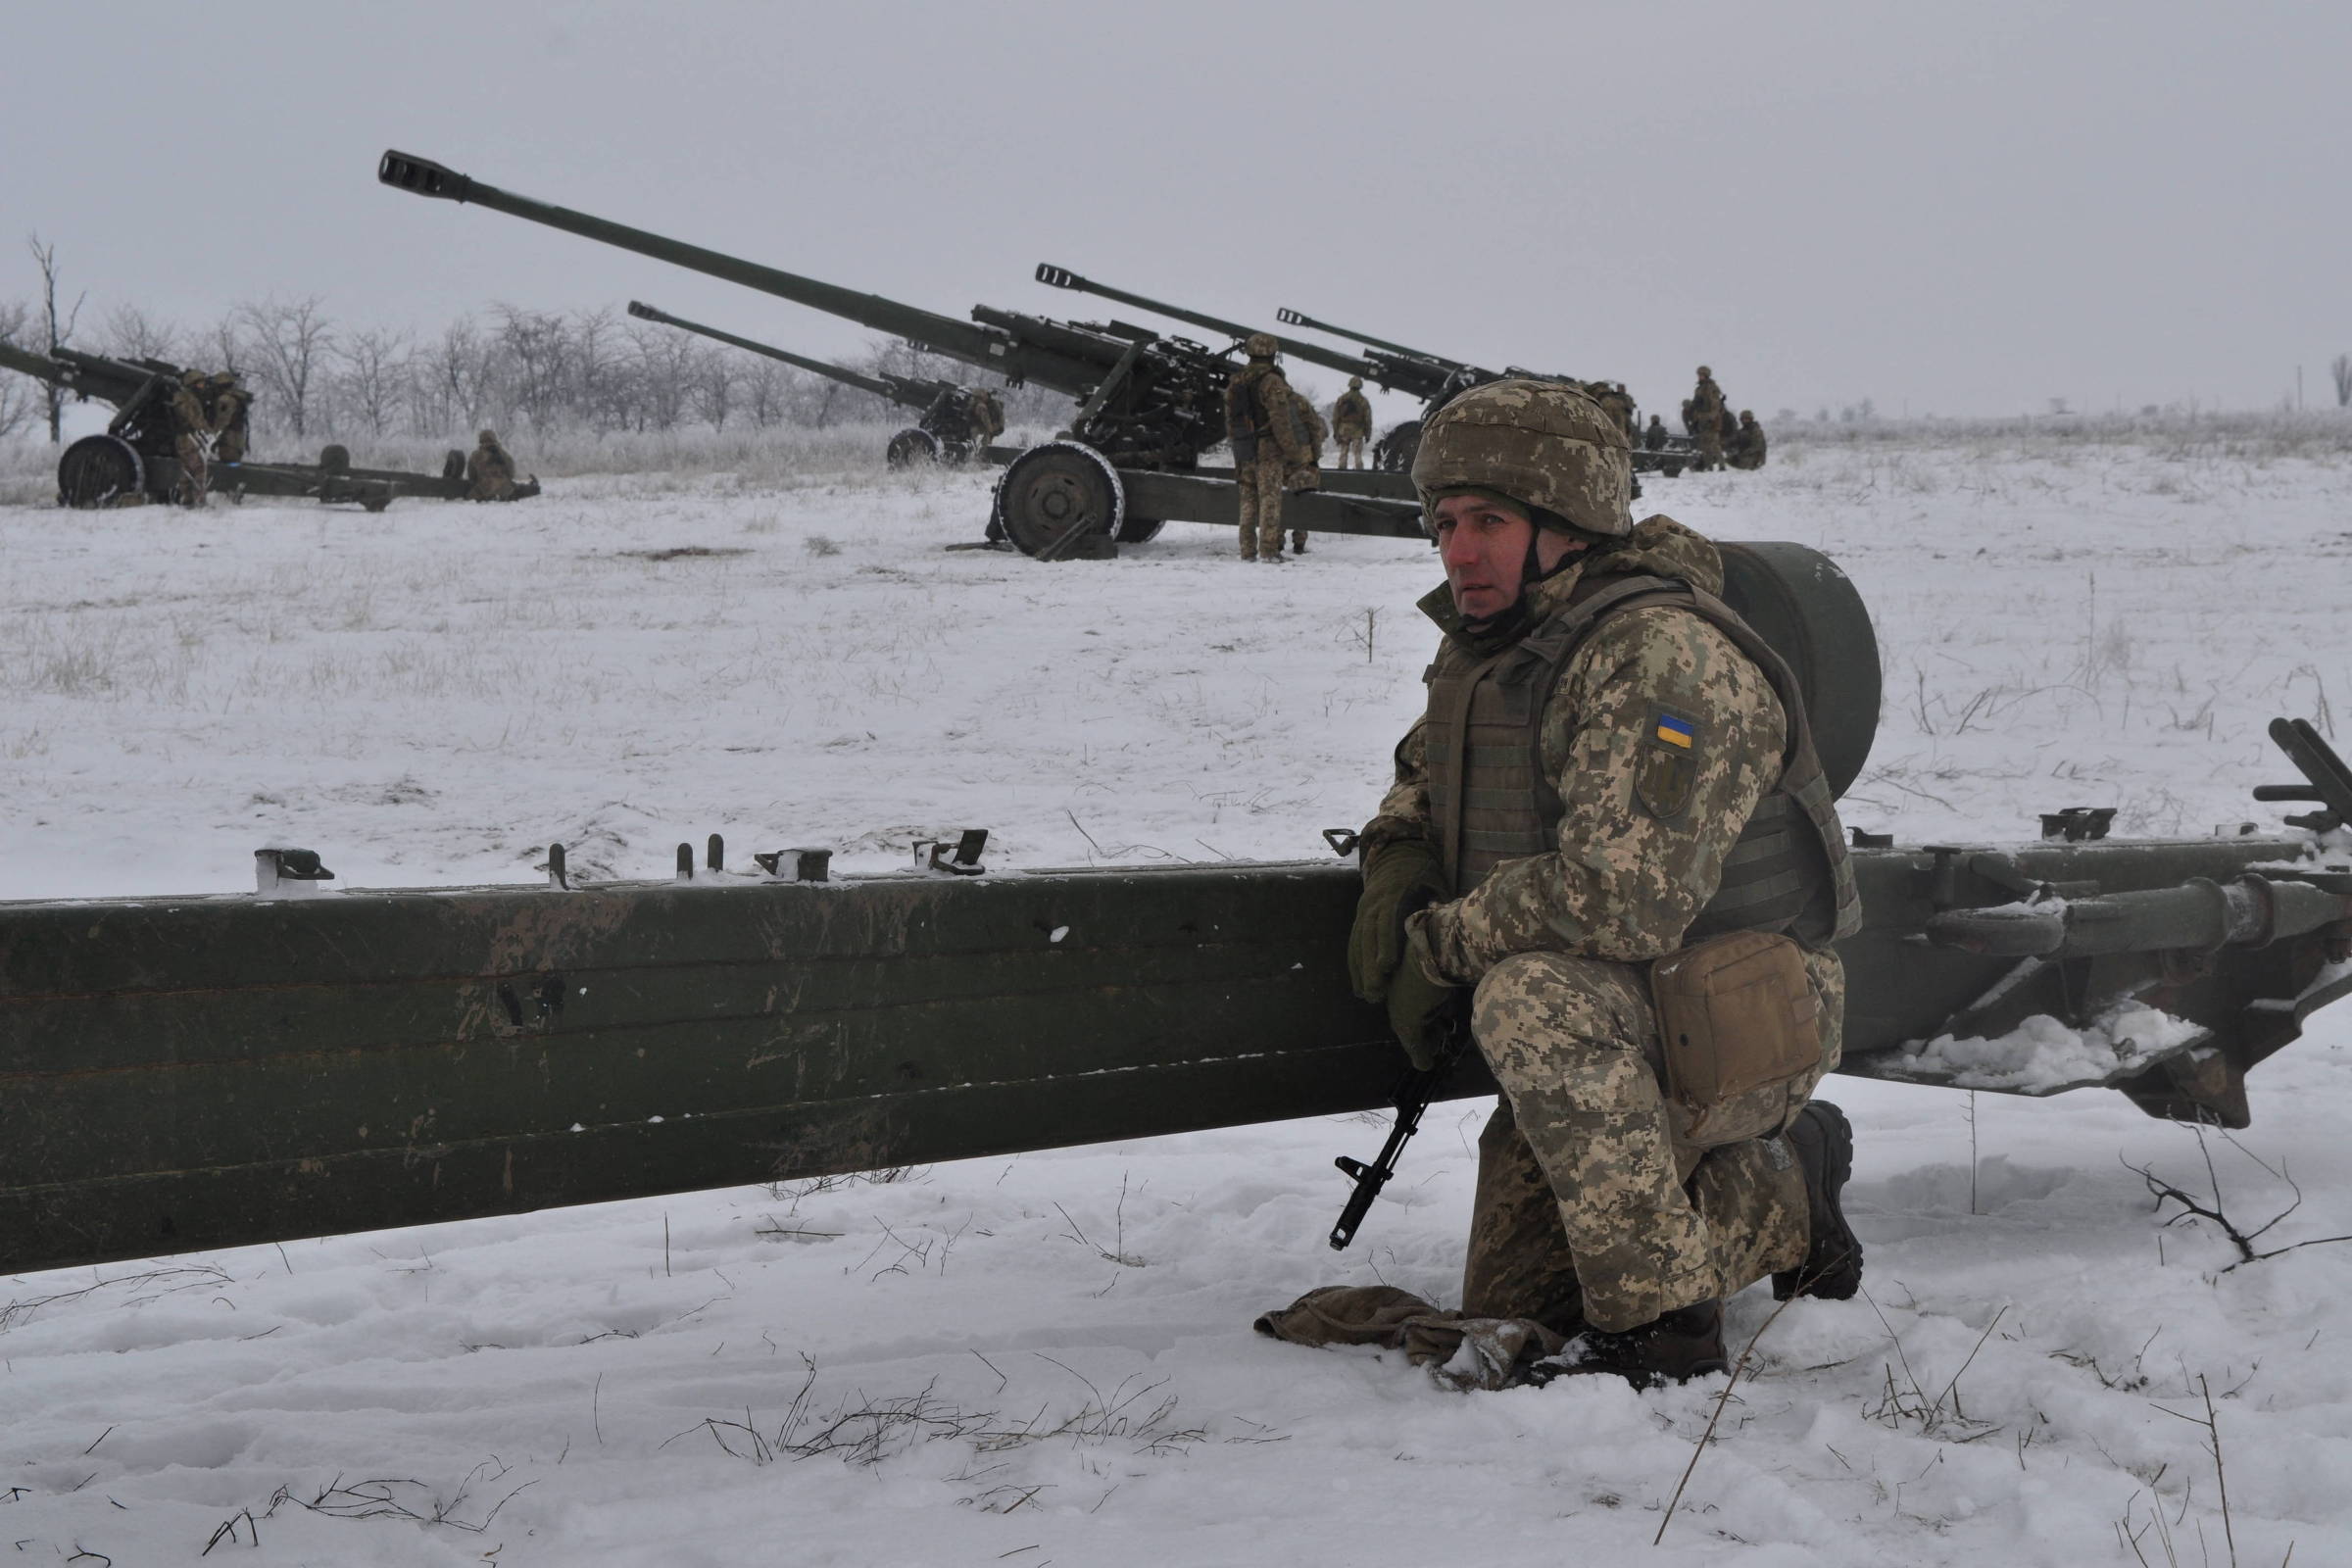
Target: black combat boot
{"x": 1684, "y": 1343}
{"x": 1823, "y": 1142}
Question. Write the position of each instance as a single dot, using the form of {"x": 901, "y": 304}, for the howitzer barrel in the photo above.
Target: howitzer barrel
{"x": 1290, "y": 318}
{"x": 1313, "y": 353}
{"x": 2199, "y": 915}
{"x": 85, "y": 374}
{"x": 898, "y": 389}
{"x": 972, "y": 344}
{"x": 25, "y": 362}
{"x": 180, "y": 1073}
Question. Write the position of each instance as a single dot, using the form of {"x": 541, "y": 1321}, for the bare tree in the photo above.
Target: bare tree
{"x": 765, "y": 386}
{"x": 452, "y": 388}
{"x": 2341, "y": 369}
{"x": 130, "y": 333}
{"x": 288, "y": 342}
{"x": 376, "y": 374}
{"x": 59, "y": 333}
{"x": 597, "y": 393}
{"x": 19, "y": 396}
{"x": 221, "y": 342}
{"x": 714, "y": 387}
{"x": 665, "y": 365}
{"x": 536, "y": 347}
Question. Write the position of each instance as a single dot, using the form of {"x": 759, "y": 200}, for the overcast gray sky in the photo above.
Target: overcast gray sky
{"x": 1958, "y": 209}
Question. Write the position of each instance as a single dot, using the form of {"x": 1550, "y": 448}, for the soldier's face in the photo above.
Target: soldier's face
{"x": 1484, "y": 545}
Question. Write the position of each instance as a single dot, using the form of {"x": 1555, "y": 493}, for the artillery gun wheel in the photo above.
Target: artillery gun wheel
{"x": 1048, "y": 491}
{"x": 99, "y": 469}
{"x": 1394, "y": 453}
{"x": 1810, "y": 613}
{"x": 912, "y": 446}
{"x": 335, "y": 458}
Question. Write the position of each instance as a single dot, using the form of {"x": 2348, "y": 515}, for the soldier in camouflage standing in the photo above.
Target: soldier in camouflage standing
{"x": 1704, "y": 414}
{"x": 1351, "y": 423}
{"x": 233, "y": 408}
{"x": 191, "y": 439}
{"x": 1269, "y": 443}
{"x": 1653, "y": 435}
{"x": 1673, "y": 807}
{"x": 1618, "y": 404}
{"x": 988, "y": 418}
{"x": 1310, "y": 476}
{"x": 489, "y": 472}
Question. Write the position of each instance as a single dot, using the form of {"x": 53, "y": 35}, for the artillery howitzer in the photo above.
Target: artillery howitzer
{"x": 212, "y": 1071}
{"x": 1392, "y": 366}
{"x": 1438, "y": 380}
{"x": 138, "y": 456}
{"x": 951, "y": 430}
{"x": 1149, "y": 405}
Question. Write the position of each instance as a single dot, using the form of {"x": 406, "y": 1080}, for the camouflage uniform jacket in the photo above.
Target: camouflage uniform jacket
{"x": 1621, "y": 884}
{"x": 1706, "y": 399}
{"x": 1259, "y": 406}
{"x": 1352, "y": 415}
{"x": 489, "y": 474}
{"x": 1317, "y": 433}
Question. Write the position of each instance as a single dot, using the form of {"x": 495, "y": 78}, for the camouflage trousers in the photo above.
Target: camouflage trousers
{"x": 195, "y": 473}
{"x": 1351, "y": 451}
{"x": 1259, "y": 482}
{"x": 1710, "y": 444}
{"x": 1587, "y": 1214}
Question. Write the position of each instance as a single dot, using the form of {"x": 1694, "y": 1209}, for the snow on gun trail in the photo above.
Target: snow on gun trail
{"x": 1049, "y": 1357}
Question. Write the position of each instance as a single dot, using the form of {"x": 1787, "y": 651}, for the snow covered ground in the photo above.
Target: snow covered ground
{"x": 1048, "y": 1358}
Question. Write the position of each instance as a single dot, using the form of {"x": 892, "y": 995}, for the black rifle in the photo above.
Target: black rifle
{"x": 1414, "y": 1091}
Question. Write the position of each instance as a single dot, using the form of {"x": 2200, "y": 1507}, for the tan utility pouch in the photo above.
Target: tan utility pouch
{"x": 1742, "y": 1033}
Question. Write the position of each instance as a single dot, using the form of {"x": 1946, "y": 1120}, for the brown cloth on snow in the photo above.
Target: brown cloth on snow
{"x": 1460, "y": 1353}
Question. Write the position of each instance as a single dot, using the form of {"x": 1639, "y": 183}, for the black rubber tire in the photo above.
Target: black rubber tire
{"x": 1394, "y": 452}
{"x": 98, "y": 470}
{"x": 1050, "y": 489}
{"x": 912, "y": 446}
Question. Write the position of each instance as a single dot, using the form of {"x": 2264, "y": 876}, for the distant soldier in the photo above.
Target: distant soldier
{"x": 489, "y": 472}
{"x": 1351, "y": 423}
{"x": 191, "y": 440}
{"x": 233, "y": 408}
{"x": 988, "y": 418}
{"x": 1310, "y": 476}
{"x": 1269, "y": 443}
{"x": 1653, "y": 436}
{"x": 1703, "y": 415}
{"x": 1617, "y": 403}
{"x": 1747, "y": 446}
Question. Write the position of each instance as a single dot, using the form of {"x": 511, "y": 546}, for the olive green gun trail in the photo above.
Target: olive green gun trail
{"x": 202, "y": 1072}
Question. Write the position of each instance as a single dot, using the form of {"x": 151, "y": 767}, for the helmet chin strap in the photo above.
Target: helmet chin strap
{"x": 1508, "y": 623}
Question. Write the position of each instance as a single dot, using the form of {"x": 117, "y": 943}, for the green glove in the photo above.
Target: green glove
{"x": 1400, "y": 877}
{"x": 1420, "y": 1010}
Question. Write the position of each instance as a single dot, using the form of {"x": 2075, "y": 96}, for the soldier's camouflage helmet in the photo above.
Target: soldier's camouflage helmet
{"x": 1356, "y": 383}
{"x": 488, "y": 438}
{"x": 1261, "y": 346}
{"x": 1704, "y": 373}
{"x": 1539, "y": 442}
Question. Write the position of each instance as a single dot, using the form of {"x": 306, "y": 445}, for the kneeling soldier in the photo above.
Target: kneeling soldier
{"x": 1610, "y": 850}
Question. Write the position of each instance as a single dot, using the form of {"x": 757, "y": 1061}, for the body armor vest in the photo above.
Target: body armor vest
{"x": 1492, "y": 800}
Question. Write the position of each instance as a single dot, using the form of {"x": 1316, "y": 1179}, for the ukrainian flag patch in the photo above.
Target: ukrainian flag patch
{"x": 1667, "y": 770}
